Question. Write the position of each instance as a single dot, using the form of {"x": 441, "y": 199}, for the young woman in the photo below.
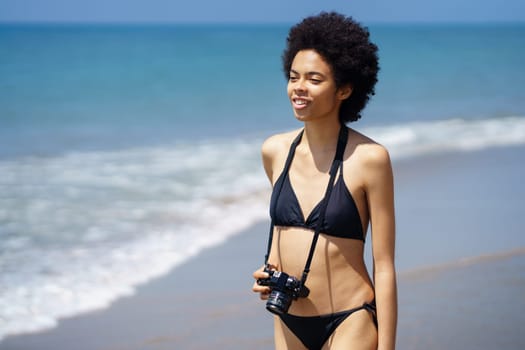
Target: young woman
{"x": 331, "y": 67}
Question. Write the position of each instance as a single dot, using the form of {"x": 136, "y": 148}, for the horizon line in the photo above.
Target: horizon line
{"x": 255, "y": 23}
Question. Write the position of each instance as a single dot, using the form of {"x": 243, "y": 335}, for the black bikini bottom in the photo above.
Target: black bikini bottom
{"x": 314, "y": 331}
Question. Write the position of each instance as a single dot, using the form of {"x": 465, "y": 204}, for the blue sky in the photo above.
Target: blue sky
{"x": 259, "y": 11}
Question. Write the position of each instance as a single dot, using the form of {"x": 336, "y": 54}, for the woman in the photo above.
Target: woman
{"x": 331, "y": 68}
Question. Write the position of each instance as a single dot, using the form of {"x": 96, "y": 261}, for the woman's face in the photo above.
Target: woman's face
{"x": 311, "y": 88}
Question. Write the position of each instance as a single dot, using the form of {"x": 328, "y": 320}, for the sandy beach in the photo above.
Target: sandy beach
{"x": 461, "y": 257}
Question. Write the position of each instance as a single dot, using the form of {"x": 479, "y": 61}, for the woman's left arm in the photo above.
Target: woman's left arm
{"x": 380, "y": 194}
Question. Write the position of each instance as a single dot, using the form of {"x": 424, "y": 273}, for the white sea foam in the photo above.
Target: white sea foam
{"x": 420, "y": 138}
{"x": 83, "y": 229}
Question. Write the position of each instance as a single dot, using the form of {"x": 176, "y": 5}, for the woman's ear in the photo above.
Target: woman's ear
{"x": 344, "y": 92}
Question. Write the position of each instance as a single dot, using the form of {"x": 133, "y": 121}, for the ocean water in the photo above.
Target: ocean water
{"x": 126, "y": 150}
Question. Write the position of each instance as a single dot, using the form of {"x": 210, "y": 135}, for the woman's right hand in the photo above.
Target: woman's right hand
{"x": 264, "y": 291}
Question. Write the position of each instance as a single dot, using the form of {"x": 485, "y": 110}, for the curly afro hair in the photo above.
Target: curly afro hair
{"x": 345, "y": 45}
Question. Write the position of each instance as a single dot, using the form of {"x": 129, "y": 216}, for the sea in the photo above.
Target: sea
{"x": 126, "y": 150}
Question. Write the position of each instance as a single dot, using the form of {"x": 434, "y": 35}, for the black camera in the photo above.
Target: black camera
{"x": 285, "y": 288}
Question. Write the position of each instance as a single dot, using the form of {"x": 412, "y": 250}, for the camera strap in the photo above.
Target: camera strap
{"x": 341, "y": 145}
{"x": 278, "y": 189}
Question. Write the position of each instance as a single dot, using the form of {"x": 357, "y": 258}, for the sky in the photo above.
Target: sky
{"x": 265, "y": 11}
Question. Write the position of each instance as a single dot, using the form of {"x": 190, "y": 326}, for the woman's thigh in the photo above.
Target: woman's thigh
{"x": 284, "y": 338}
{"x": 358, "y": 332}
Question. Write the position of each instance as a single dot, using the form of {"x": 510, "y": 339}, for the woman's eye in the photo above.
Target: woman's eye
{"x": 315, "y": 81}
{"x": 293, "y": 79}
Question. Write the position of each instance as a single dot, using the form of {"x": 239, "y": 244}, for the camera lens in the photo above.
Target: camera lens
{"x": 278, "y": 302}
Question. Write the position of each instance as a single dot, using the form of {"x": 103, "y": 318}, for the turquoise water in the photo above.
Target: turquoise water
{"x": 129, "y": 149}
{"x": 84, "y": 87}
{"x": 441, "y": 72}
{"x": 106, "y": 84}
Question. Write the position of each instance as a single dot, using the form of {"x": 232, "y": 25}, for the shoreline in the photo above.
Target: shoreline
{"x": 169, "y": 311}
{"x": 207, "y": 302}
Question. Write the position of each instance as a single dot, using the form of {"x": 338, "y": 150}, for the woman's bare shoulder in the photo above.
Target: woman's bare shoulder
{"x": 369, "y": 153}
{"x": 274, "y": 150}
{"x": 278, "y": 143}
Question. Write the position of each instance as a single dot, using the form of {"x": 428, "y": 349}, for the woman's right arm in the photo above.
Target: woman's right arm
{"x": 268, "y": 152}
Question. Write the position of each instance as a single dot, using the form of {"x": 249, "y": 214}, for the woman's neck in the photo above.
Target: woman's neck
{"x": 321, "y": 137}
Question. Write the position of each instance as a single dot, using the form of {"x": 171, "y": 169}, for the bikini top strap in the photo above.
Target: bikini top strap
{"x": 291, "y": 152}
{"x": 338, "y": 159}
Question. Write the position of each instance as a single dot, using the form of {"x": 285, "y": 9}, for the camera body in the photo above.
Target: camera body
{"x": 284, "y": 289}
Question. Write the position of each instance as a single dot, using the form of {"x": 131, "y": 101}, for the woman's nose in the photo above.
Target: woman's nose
{"x": 299, "y": 85}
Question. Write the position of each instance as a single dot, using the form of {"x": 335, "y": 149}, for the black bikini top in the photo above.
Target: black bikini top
{"x": 341, "y": 216}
